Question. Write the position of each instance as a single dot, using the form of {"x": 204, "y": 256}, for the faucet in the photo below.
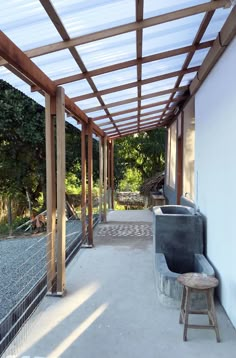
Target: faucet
{"x": 188, "y": 196}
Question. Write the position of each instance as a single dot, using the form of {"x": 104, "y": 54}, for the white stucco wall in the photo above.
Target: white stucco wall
{"x": 215, "y": 171}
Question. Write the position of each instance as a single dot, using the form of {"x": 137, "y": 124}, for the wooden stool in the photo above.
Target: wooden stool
{"x": 198, "y": 282}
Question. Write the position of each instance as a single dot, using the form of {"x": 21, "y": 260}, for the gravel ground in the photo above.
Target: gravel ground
{"x": 23, "y": 263}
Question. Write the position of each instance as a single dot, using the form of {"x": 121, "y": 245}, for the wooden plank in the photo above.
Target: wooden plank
{"x": 51, "y": 192}
{"x": 180, "y": 123}
{"x": 101, "y": 179}
{"x": 83, "y": 181}
{"x": 61, "y": 218}
{"x": 134, "y": 26}
{"x": 112, "y": 175}
{"x": 109, "y": 174}
{"x": 105, "y": 179}
{"x": 16, "y": 58}
{"x": 90, "y": 183}
{"x": 62, "y": 31}
{"x": 139, "y": 46}
{"x": 130, "y": 63}
{"x": 124, "y": 134}
{"x": 135, "y": 117}
{"x": 130, "y": 110}
{"x": 134, "y": 99}
{"x": 134, "y": 84}
{"x": 202, "y": 28}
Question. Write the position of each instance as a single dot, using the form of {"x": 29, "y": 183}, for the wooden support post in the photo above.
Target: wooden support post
{"x": 90, "y": 183}
{"x": 61, "y": 220}
{"x": 105, "y": 179}
{"x": 112, "y": 174}
{"x": 83, "y": 181}
{"x": 51, "y": 190}
{"x": 101, "y": 178}
{"x": 180, "y": 123}
{"x": 109, "y": 173}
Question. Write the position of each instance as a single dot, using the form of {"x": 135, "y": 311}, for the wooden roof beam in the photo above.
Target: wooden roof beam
{"x": 203, "y": 26}
{"x": 139, "y": 50}
{"x": 126, "y": 133}
{"x": 16, "y": 58}
{"x": 130, "y": 63}
{"x": 134, "y": 26}
{"x": 134, "y": 84}
{"x": 134, "y": 99}
{"x": 130, "y": 110}
{"x": 65, "y": 36}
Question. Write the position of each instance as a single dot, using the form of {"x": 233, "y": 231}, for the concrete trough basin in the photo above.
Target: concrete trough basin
{"x": 178, "y": 247}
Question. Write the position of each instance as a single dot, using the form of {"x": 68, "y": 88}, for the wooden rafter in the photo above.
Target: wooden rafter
{"x": 134, "y": 84}
{"x": 65, "y": 36}
{"x": 130, "y": 63}
{"x": 16, "y": 58}
{"x": 134, "y": 26}
{"x": 130, "y": 110}
{"x": 134, "y": 99}
{"x": 204, "y": 24}
{"x": 139, "y": 50}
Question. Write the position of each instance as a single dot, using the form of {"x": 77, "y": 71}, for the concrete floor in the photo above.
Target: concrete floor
{"x": 111, "y": 307}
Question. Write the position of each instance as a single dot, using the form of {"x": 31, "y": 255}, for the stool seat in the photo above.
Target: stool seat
{"x": 200, "y": 283}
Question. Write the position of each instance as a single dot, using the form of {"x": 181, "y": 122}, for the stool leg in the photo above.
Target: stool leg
{"x": 182, "y": 313}
{"x": 208, "y": 294}
{"x": 186, "y": 312}
{"x": 213, "y": 312}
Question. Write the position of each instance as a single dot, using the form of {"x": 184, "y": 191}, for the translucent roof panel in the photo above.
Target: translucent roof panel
{"x": 102, "y": 121}
{"x": 154, "y": 8}
{"x": 163, "y": 66}
{"x": 151, "y": 116}
{"x": 108, "y": 51}
{"x": 123, "y": 107}
{"x": 81, "y": 17}
{"x": 199, "y": 57}
{"x": 158, "y": 86}
{"x": 146, "y": 110}
{"x": 216, "y": 24}
{"x": 120, "y": 95}
{"x": 77, "y": 88}
{"x": 88, "y": 103}
{"x": 116, "y": 78}
{"x": 155, "y": 99}
{"x": 170, "y": 35}
{"x": 187, "y": 78}
{"x": 58, "y": 64}
{"x": 27, "y": 24}
{"x": 126, "y": 115}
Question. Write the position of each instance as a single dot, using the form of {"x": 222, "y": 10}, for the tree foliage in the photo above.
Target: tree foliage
{"x": 22, "y": 146}
{"x": 144, "y": 152}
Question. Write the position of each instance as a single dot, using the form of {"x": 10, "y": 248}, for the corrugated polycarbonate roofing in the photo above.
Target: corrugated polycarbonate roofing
{"x": 129, "y": 66}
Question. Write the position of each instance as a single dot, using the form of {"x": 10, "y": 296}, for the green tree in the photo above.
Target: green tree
{"x": 143, "y": 152}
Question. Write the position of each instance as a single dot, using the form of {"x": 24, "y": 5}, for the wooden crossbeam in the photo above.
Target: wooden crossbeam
{"x": 134, "y": 99}
{"x": 134, "y": 84}
{"x": 130, "y": 110}
{"x": 129, "y": 132}
{"x": 130, "y": 118}
{"x": 139, "y": 50}
{"x": 203, "y": 26}
{"x": 65, "y": 36}
{"x": 130, "y": 63}
{"x": 16, "y": 58}
{"x": 134, "y": 26}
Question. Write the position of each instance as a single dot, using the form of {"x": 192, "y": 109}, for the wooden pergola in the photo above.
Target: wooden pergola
{"x": 128, "y": 113}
